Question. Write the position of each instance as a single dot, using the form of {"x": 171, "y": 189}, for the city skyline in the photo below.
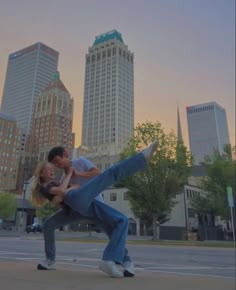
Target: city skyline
{"x": 184, "y": 50}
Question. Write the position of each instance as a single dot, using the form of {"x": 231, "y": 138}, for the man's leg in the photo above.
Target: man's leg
{"x": 57, "y": 220}
{"x": 108, "y": 229}
{"x": 128, "y": 265}
{"x": 115, "y": 224}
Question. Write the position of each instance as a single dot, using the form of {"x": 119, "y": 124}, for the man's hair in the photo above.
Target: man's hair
{"x": 55, "y": 151}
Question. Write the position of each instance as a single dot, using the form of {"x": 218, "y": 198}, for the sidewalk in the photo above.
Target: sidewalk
{"x": 23, "y": 275}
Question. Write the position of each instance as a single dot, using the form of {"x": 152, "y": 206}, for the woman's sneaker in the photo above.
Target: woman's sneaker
{"x": 46, "y": 265}
{"x": 110, "y": 268}
{"x": 149, "y": 151}
{"x": 129, "y": 270}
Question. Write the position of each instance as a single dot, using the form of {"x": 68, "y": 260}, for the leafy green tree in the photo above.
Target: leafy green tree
{"x": 202, "y": 206}
{"x": 8, "y": 205}
{"x": 45, "y": 211}
{"x": 220, "y": 174}
{"x": 152, "y": 191}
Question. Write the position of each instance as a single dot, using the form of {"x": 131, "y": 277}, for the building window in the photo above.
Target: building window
{"x": 126, "y": 196}
{"x": 191, "y": 212}
{"x": 113, "y": 196}
{"x": 187, "y": 191}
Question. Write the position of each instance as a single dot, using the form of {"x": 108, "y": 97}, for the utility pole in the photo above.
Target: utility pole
{"x": 231, "y": 205}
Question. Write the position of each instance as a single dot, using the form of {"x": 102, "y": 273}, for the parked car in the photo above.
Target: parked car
{"x": 36, "y": 227}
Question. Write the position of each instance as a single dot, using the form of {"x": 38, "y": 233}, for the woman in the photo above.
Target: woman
{"x": 82, "y": 201}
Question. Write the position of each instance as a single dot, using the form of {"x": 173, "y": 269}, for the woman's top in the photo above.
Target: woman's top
{"x": 45, "y": 191}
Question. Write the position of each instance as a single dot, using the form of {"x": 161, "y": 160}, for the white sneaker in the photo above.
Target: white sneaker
{"x": 150, "y": 150}
{"x": 129, "y": 269}
{"x": 110, "y": 268}
{"x": 46, "y": 265}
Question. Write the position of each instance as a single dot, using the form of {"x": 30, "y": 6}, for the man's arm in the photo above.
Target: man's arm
{"x": 88, "y": 174}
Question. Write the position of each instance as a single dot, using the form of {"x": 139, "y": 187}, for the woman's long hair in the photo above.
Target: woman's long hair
{"x": 36, "y": 197}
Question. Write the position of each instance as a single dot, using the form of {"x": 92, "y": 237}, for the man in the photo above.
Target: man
{"x": 85, "y": 171}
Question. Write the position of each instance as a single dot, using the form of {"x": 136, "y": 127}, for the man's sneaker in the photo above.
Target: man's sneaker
{"x": 46, "y": 265}
{"x": 150, "y": 150}
{"x": 129, "y": 270}
{"x": 110, "y": 268}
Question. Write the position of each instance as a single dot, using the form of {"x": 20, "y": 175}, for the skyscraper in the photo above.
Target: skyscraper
{"x": 108, "y": 108}
{"x": 29, "y": 71}
{"x": 10, "y": 145}
{"x": 208, "y": 130}
{"x": 51, "y": 124}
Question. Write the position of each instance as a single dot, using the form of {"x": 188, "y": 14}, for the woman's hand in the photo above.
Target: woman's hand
{"x": 57, "y": 192}
{"x": 69, "y": 171}
{"x": 57, "y": 199}
{"x": 75, "y": 173}
{"x": 73, "y": 186}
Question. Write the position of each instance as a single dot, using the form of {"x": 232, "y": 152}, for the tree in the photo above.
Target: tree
{"x": 152, "y": 191}
{"x": 45, "y": 211}
{"x": 8, "y": 205}
{"x": 220, "y": 174}
{"x": 202, "y": 206}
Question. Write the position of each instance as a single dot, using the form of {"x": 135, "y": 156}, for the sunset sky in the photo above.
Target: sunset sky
{"x": 184, "y": 49}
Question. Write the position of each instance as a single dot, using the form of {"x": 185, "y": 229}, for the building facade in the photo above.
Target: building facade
{"x": 10, "y": 150}
{"x": 108, "y": 104}
{"x": 207, "y": 129}
{"x": 51, "y": 124}
{"x": 29, "y": 71}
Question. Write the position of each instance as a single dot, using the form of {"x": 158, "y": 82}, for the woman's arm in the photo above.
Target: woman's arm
{"x": 63, "y": 186}
{"x": 59, "y": 191}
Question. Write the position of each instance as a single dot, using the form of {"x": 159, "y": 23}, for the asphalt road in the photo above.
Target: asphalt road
{"x": 183, "y": 261}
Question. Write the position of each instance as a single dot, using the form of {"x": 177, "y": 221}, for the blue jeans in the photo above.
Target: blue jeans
{"x": 82, "y": 200}
{"x": 62, "y": 218}
{"x": 55, "y": 221}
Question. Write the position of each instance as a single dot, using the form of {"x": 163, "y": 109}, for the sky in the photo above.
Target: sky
{"x": 184, "y": 50}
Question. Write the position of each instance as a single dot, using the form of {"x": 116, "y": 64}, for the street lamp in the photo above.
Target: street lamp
{"x": 26, "y": 182}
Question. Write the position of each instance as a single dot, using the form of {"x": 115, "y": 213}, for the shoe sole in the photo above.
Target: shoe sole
{"x": 106, "y": 270}
{"x": 155, "y": 145}
{"x": 40, "y": 267}
{"x": 128, "y": 274}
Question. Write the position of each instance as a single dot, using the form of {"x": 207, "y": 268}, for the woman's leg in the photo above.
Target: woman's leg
{"x": 81, "y": 198}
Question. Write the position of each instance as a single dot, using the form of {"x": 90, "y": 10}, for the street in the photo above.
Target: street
{"x": 186, "y": 261}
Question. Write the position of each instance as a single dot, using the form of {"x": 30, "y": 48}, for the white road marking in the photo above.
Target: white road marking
{"x": 190, "y": 274}
{"x": 156, "y": 268}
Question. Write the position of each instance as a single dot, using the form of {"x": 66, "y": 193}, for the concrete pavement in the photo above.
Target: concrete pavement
{"x": 23, "y": 275}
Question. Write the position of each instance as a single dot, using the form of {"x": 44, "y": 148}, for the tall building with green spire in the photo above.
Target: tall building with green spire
{"x": 108, "y": 107}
